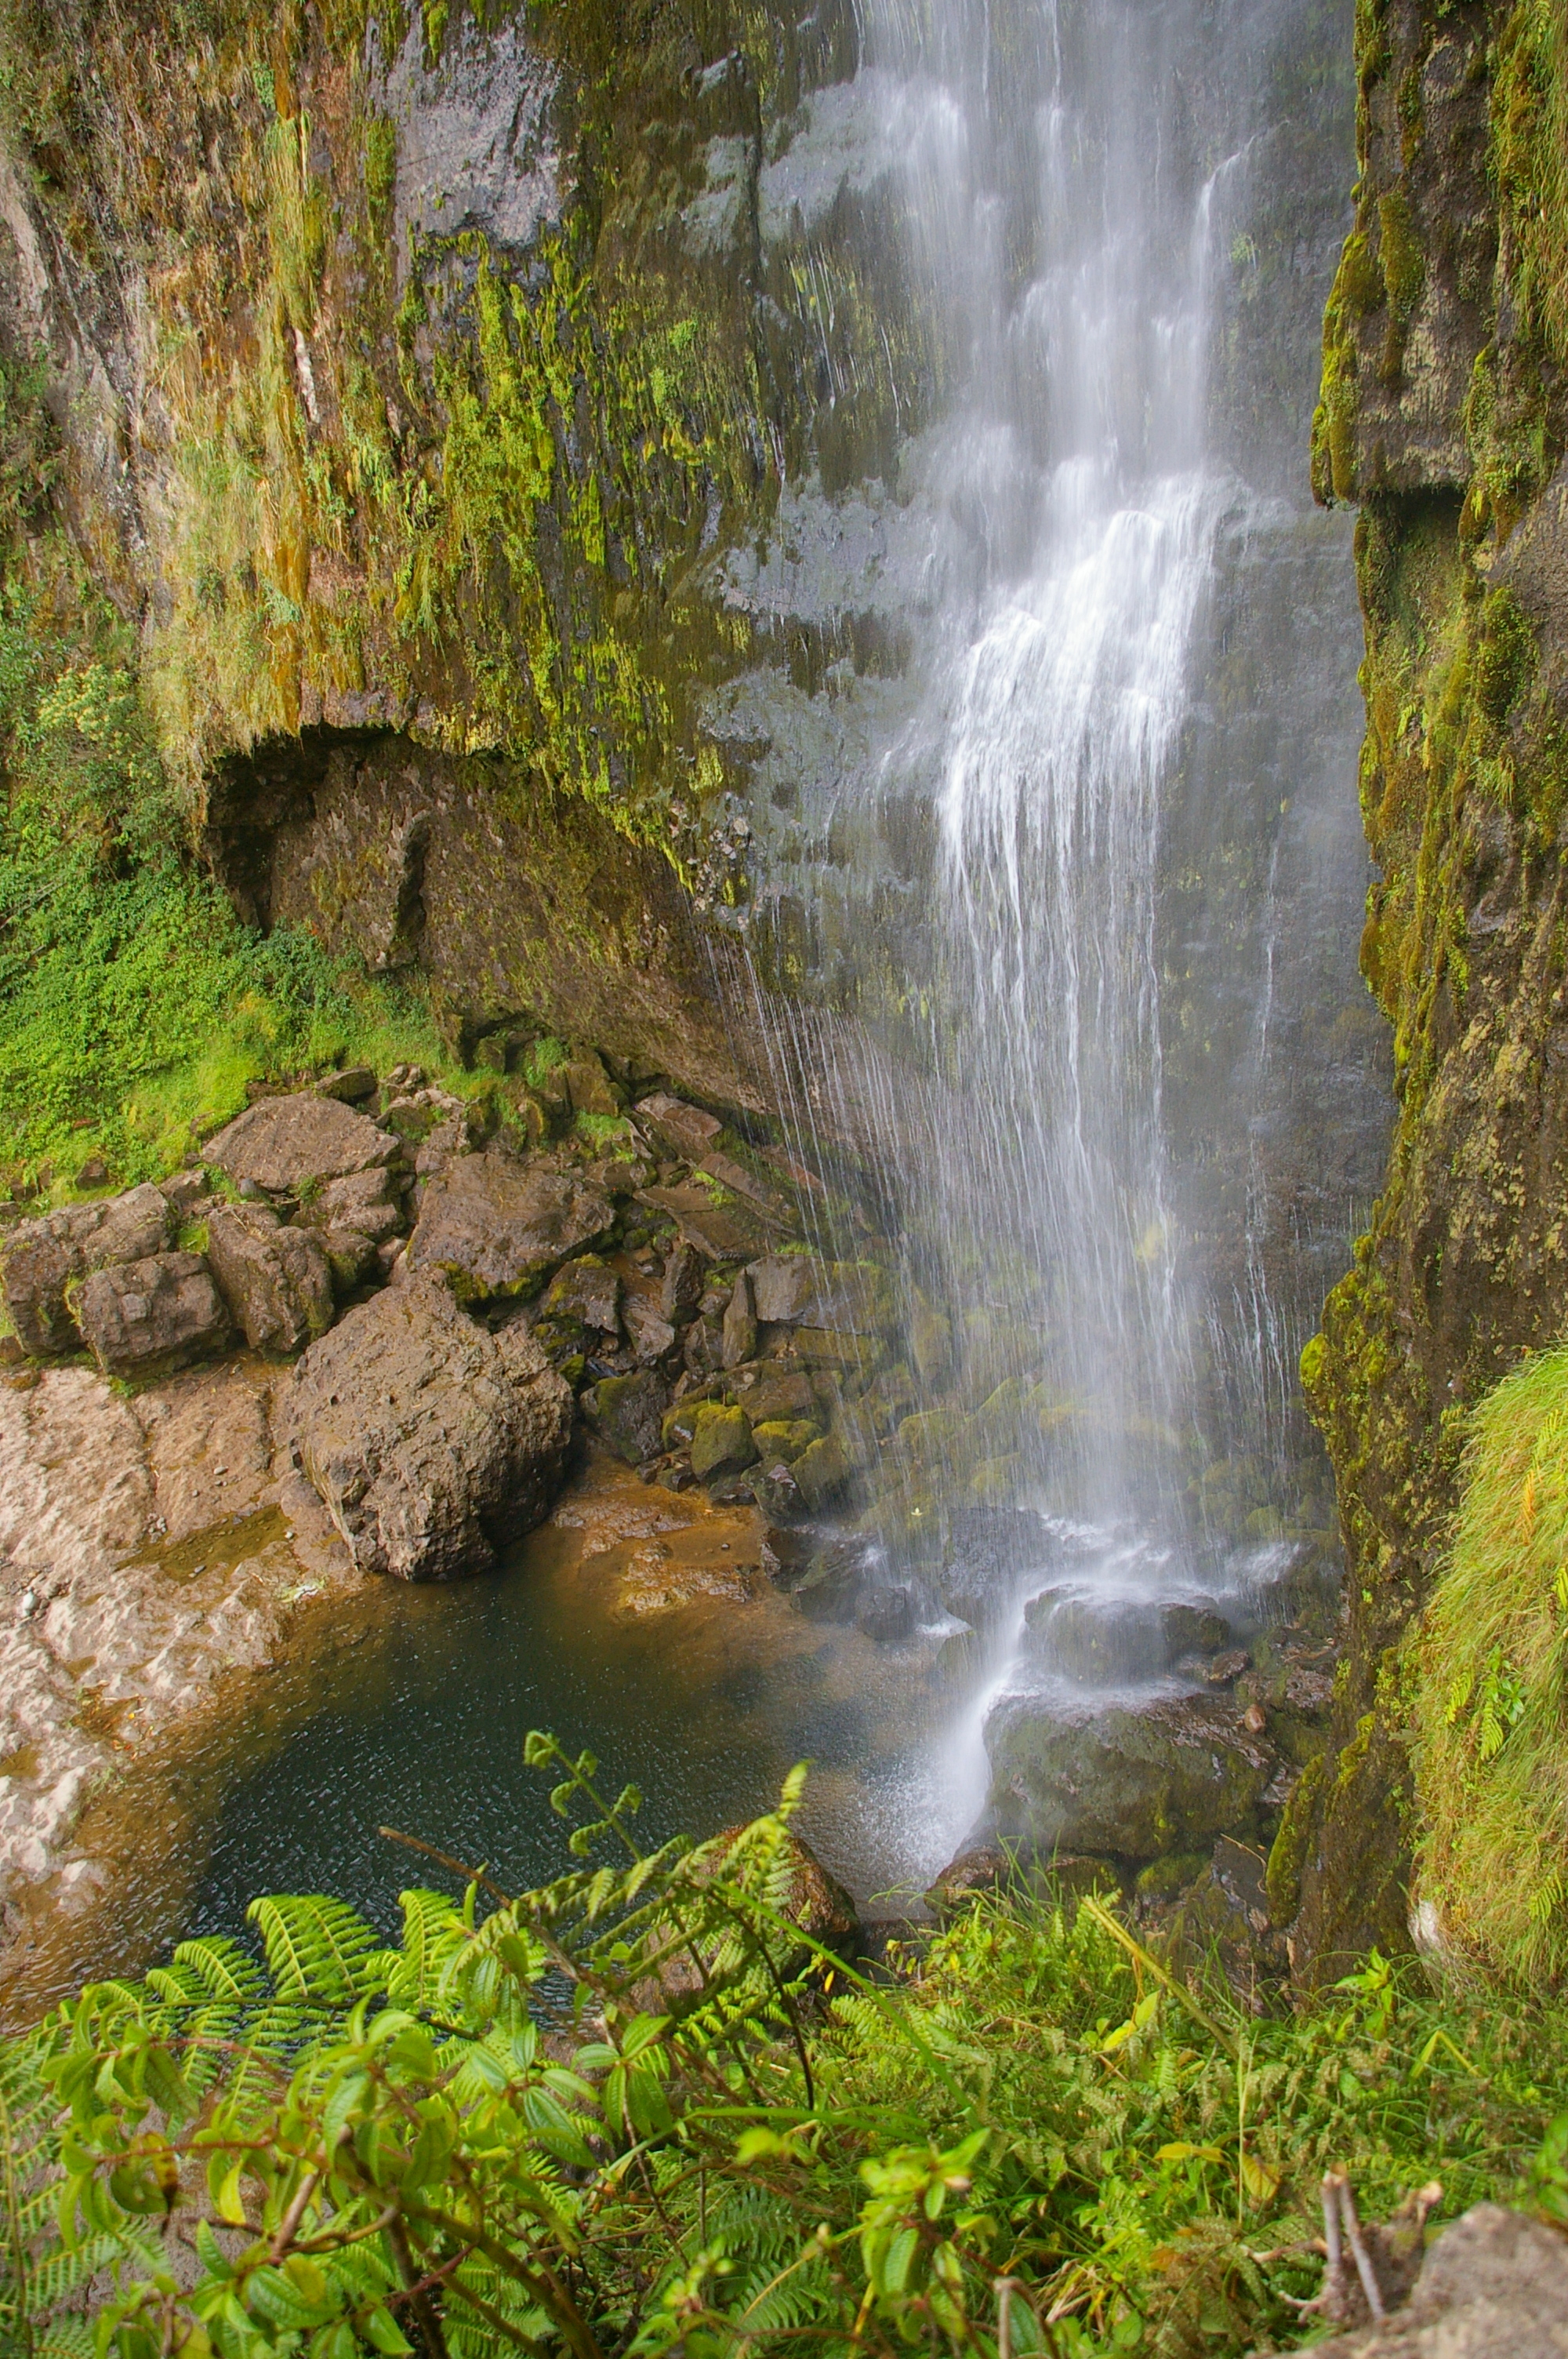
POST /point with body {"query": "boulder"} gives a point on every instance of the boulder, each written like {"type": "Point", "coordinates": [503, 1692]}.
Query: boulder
{"type": "Point", "coordinates": [722, 1442]}
{"type": "Point", "coordinates": [768, 1394]}
{"type": "Point", "coordinates": [40, 1259]}
{"type": "Point", "coordinates": [277, 1282]}
{"type": "Point", "coordinates": [588, 1291]}
{"type": "Point", "coordinates": [369, 1203]}
{"type": "Point", "coordinates": [352, 1084]}
{"type": "Point", "coordinates": [821, 1472]}
{"type": "Point", "coordinates": [497, 1225]}
{"type": "Point", "coordinates": [431, 1443]}
{"type": "Point", "coordinates": [1170, 1774]}
{"type": "Point", "coordinates": [627, 1413]}
{"type": "Point", "coordinates": [685, 1274]}
{"type": "Point", "coordinates": [1496, 2281]}
{"type": "Point", "coordinates": [1194, 1630]}
{"type": "Point", "coordinates": [739, 1329]}
{"type": "Point", "coordinates": [142, 1318]}
{"type": "Point", "coordinates": [280, 1145]}
{"type": "Point", "coordinates": [651, 1337]}
{"type": "Point", "coordinates": [800, 1290]}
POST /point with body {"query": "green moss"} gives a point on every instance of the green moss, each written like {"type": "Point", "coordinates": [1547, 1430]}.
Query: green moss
{"type": "Point", "coordinates": [1492, 1759]}
{"type": "Point", "coordinates": [1507, 658]}
{"type": "Point", "coordinates": [1287, 1851]}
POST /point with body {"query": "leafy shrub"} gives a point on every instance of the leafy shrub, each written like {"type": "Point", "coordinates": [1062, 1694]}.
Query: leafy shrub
{"type": "Point", "coordinates": [640, 2110]}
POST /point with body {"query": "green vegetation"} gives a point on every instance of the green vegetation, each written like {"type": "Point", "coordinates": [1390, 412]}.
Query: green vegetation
{"type": "Point", "coordinates": [134, 1005]}
{"type": "Point", "coordinates": [641, 2111]}
{"type": "Point", "coordinates": [1492, 1762]}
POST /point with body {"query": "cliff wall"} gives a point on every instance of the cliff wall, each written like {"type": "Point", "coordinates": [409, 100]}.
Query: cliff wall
{"type": "Point", "coordinates": [1443, 416]}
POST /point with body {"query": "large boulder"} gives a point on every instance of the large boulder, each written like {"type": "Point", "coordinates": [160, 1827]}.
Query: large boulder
{"type": "Point", "coordinates": [39, 1260]}
{"type": "Point", "coordinates": [143, 1318]}
{"type": "Point", "coordinates": [1137, 1779]}
{"type": "Point", "coordinates": [722, 1442]}
{"type": "Point", "coordinates": [496, 1225]}
{"type": "Point", "coordinates": [431, 1443]}
{"type": "Point", "coordinates": [277, 1282]}
{"type": "Point", "coordinates": [282, 1145]}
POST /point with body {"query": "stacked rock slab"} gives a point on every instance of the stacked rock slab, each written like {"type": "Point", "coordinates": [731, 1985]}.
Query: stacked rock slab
{"type": "Point", "coordinates": [41, 1261]}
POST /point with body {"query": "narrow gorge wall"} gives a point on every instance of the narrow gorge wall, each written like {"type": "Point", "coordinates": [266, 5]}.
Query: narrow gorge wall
{"type": "Point", "coordinates": [1442, 415]}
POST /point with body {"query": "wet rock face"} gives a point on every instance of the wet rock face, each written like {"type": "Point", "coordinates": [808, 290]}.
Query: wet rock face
{"type": "Point", "coordinates": [431, 1443]}
{"type": "Point", "coordinates": [1168, 1775]}
{"type": "Point", "coordinates": [1442, 409]}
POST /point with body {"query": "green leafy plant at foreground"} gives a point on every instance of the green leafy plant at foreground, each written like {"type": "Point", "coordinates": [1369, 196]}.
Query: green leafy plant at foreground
{"type": "Point", "coordinates": [639, 2109]}
{"type": "Point", "coordinates": [1492, 1759]}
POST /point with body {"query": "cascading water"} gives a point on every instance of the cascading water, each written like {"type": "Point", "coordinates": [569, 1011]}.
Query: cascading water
{"type": "Point", "coordinates": [1086, 1077]}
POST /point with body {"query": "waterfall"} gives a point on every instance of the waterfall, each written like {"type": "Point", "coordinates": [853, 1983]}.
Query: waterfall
{"type": "Point", "coordinates": [1099, 856]}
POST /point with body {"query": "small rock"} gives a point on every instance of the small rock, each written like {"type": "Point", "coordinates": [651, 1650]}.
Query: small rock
{"type": "Point", "coordinates": [720, 1441]}
{"type": "Point", "coordinates": [276, 1282]}
{"type": "Point", "coordinates": [680, 1129]}
{"type": "Point", "coordinates": [651, 1337]}
{"type": "Point", "coordinates": [280, 1144]}
{"type": "Point", "coordinates": [1228, 1667]}
{"type": "Point", "coordinates": [352, 1084]}
{"type": "Point", "coordinates": [94, 1173]}
{"type": "Point", "coordinates": [887, 1613]}
{"type": "Point", "coordinates": [683, 1283]}
{"type": "Point", "coordinates": [430, 1443]}
{"type": "Point", "coordinates": [143, 1316]}
{"type": "Point", "coordinates": [587, 1290]}
{"type": "Point", "coordinates": [353, 1260]}
{"type": "Point", "coordinates": [369, 1203]}
{"type": "Point", "coordinates": [627, 1413]}
{"type": "Point", "coordinates": [1255, 1718]}
{"type": "Point", "coordinates": [738, 1333]}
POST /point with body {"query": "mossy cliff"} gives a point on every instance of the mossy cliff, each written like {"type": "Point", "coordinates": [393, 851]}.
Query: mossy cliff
{"type": "Point", "coordinates": [1443, 415]}
{"type": "Point", "coordinates": [414, 372]}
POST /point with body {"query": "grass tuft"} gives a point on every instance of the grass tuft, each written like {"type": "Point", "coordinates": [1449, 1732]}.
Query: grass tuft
{"type": "Point", "coordinates": [1492, 1758]}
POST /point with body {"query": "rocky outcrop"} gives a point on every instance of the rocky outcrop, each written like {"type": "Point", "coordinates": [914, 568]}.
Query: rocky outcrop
{"type": "Point", "coordinates": [430, 1441]}
{"type": "Point", "coordinates": [1443, 412]}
